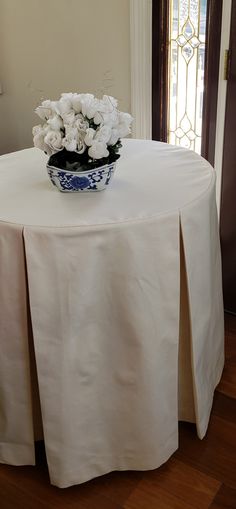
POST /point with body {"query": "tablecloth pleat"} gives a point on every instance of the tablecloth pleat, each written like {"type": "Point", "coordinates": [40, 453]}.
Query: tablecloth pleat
{"type": "Point", "coordinates": [16, 421]}
{"type": "Point", "coordinates": [105, 312]}
{"type": "Point", "coordinates": [200, 233]}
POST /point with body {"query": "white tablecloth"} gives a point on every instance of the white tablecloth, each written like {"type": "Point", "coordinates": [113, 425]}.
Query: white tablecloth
{"type": "Point", "coordinates": [127, 331]}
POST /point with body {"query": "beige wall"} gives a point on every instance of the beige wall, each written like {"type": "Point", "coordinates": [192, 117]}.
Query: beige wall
{"type": "Point", "coordinates": [53, 46]}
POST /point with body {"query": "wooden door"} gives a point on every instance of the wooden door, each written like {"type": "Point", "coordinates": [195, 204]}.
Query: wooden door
{"type": "Point", "coordinates": [228, 191]}
{"type": "Point", "coordinates": [162, 12]}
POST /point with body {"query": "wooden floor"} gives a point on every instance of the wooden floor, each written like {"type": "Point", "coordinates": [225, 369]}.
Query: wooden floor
{"type": "Point", "coordinates": [200, 475]}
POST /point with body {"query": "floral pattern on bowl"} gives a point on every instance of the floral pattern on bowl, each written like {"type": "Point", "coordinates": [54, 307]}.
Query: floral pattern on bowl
{"type": "Point", "coordinates": [94, 180]}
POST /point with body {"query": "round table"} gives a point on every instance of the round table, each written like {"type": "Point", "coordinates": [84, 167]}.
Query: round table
{"type": "Point", "coordinates": [116, 298]}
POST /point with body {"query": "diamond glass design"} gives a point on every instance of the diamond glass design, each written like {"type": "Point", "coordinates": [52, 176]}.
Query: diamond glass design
{"type": "Point", "coordinates": [187, 40]}
{"type": "Point", "coordinates": [179, 132]}
{"type": "Point", "coordinates": [194, 41]}
{"type": "Point", "coordinates": [181, 40]}
{"type": "Point", "coordinates": [188, 30]}
{"type": "Point", "coordinates": [191, 135]}
{"type": "Point", "coordinates": [187, 52]}
{"type": "Point", "coordinates": [185, 124]}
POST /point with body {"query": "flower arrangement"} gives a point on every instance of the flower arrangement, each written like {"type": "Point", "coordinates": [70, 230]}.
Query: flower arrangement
{"type": "Point", "coordinates": [81, 131]}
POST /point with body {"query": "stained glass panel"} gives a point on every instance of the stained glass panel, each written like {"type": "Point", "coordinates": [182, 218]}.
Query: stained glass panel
{"type": "Point", "coordinates": [187, 39]}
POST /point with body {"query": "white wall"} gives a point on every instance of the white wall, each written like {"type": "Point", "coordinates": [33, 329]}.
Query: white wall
{"type": "Point", "coordinates": [53, 46]}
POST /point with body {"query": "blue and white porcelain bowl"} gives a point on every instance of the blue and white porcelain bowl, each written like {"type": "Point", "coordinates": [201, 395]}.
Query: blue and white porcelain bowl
{"type": "Point", "coordinates": [81, 181]}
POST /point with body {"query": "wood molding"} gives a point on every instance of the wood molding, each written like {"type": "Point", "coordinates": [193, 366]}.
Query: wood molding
{"type": "Point", "coordinates": [221, 102]}
{"type": "Point", "coordinates": [141, 51]}
{"type": "Point", "coordinates": [211, 79]}
{"type": "Point", "coordinates": [160, 22]}
{"type": "Point", "coordinates": [228, 188]}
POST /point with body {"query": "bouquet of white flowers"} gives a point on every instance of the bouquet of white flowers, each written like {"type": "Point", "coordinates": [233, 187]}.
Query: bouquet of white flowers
{"type": "Point", "coordinates": [81, 131]}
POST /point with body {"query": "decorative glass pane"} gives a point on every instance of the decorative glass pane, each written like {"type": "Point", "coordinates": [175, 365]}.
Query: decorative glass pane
{"type": "Point", "coordinates": [187, 38]}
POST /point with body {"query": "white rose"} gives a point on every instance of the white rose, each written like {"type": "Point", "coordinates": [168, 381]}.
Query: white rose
{"type": "Point", "coordinates": [39, 133]}
{"type": "Point", "coordinates": [98, 118]}
{"type": "Point", "coordinates": [40, 143]}
{"type": "Point", "coordinates": [53, 107]}
{"type": "Point", "coordinates": [81, 146]}
{"type": "Point", "coordinates": [71, 131]}
{"type": "Point", "coordinates": [81, 123]}
{"type": "Point", "coordinates": [103, 134]}
{"type": "Point", "coordinates": [64, 106]}
{"type": "Point", "coordinates": [90, 105]}
{"type": "Point", "coordinates": [70, 143]}
{"type": "Point", "coordinates": [38, 140]}
{"type": "Point", "coordinates": [37, 129]}
{"type": "Point", "coordinates": [123, 127]}
{"type": "Point", "coordinates": [107, 113]}
{"type": "Point", "coordinates": [125, 118]}
{"type": "Point", "coordinates": [111, 119]}
{"type": "Point", "coordinates": [76, 103]}
{"type": "Point", "coordinates": [55, 123]}
{"type": "Point", "coordinates": [123, 130]}
{"type": "Point", "coordinates": [109, 102]}
{"type": "Point", "coordinates": [114, 136]}
{"type": "Point", "coordinates": [89, 137]}
{"type": "Point", "coordinates": [68, 118]}
{"type": "Point", "coordinates": [98, 150]}
{"type": "Point", "coordinates": [68, 95]}
{"type": "Point", "coordinates": [54, 140]}
{"type": "Point", "coordinates": [45, 110]}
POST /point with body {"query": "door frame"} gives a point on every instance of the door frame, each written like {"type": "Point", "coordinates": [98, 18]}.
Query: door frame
{"type": "Point", "coordinates": [211, 79]}
{"type": "Point", "coordinates": [160, 10]}
{"type": "Point", "coordinates": [221, 104]}
{"type": "Point", "coordinates": [227, 216]}
{"type": "Point", "coordinates": [141, 73]}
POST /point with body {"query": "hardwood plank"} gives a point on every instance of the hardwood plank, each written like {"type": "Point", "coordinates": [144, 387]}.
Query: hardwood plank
{"type": "Point", "coordinates": [230, 322]}
{"type": "Point", "coordinates": [227, 384]}
{"type": "Point", "coordinates": [117, 486]}
{"type": "Point", "coordinates": [225, 498]}
{"type": "Point", "coordinates": [215, 454]}
{"type": "Point", "coordinates": [184, 482]}
{"type": "Point", "coordinates": [12, 496]}
{"type": "Point", "coordinates": [150, 497]}
{"type": "Point", "coordinates": [224, 407]}
{"type": "Point", "coordinates": [34, 488]}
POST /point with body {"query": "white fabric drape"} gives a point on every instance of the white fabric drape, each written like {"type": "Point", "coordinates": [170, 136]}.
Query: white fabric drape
{"type": "Point", "coordinates": [119, 360]}
{"type": "Point", "coordinates": [16, 425]}
{"type": "Point", "coordinates": [203, 268]}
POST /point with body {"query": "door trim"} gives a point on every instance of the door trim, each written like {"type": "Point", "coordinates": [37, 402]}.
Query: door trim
{"type": "Point", "coordinates": [211, 79]}
{"type": "Point", "coordinates": [160, 29]}
{"type": "Point", "coordinates": [221, 104]}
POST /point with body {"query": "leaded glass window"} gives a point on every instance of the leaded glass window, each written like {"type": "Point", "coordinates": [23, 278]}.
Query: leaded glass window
{"type": "Point", "coordinates": [187, 41]}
